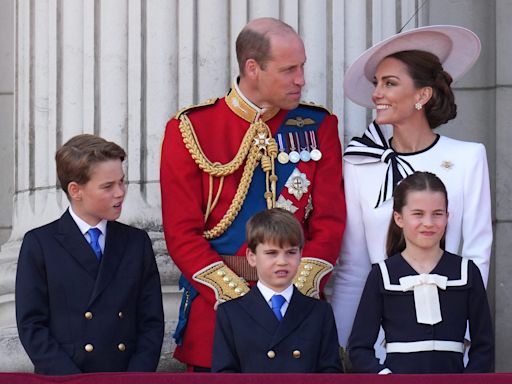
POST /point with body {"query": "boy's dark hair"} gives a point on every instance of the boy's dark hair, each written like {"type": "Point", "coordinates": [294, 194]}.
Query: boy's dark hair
{"type": "Point", "coordinates": [276, 226]}
{"type": "Point", "coordinates": [78, 155]}
{"type": "Point", "coordinates": [417, 182]}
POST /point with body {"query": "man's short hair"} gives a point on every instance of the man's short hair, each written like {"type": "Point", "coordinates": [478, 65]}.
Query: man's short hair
{"type": "Point", "coordinates": [253, 42]}
{"type": "Point", "coordinates": [76, 158]}
{"type": "Point", "coordinates": [276, 226]}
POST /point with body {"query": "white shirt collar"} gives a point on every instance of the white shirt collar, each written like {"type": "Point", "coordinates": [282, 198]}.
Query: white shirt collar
{"type": "Point", "coordinates": [268, 293]}
{"type": "Point", "coordinates": [84, 227]}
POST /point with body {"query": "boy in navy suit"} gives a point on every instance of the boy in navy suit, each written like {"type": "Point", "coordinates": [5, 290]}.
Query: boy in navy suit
{"type": "Point", "coordinates": [88, 294]}
{"type": "Point", "coordinates": [274, 327]}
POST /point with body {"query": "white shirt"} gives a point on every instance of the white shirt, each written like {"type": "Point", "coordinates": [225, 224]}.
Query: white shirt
{"type": "Point", "coordinates": [268, 293]}
{"type": "Point", "coordinates": [462, 166]}
{"type": "Point", "coordinates": [84, 227]}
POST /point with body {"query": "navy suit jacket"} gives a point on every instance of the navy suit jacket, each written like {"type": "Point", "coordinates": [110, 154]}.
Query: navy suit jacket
{"type": "Point", "coordinates": [249, 338]}
{"type": "Point", "coordinates": [76, 314]}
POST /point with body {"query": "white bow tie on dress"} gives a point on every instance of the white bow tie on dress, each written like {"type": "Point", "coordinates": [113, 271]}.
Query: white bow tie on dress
{"type": "Point", "coordinates": [426, 295]}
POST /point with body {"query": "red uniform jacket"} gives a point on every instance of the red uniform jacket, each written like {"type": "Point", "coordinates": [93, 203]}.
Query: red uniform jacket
{"type": "Point", "coordinates": [185, 190]}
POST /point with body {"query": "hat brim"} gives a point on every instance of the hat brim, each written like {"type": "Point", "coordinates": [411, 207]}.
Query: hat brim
{"type": "Point", "coordinates": [456, 47]}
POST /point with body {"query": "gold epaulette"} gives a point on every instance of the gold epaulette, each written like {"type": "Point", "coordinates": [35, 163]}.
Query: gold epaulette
{"type": "Point", "coordinates": [313, 105]}
{"type": "Point", "coordinates": [225, 283]}
{"type": "Point", "coordinates": [195, 106]}
{"type": "Point", "coordinates": [310, 273]}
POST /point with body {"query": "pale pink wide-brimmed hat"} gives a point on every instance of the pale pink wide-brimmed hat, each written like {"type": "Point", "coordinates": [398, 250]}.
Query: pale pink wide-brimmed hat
{"type": "Point", "coordinates": [456, 47]}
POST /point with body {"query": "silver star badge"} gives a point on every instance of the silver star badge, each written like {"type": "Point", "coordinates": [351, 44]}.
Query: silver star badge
{"type": "Point", "coordinates": [297, 184]}
{"type": "Point", "coordinates": [284, 203]}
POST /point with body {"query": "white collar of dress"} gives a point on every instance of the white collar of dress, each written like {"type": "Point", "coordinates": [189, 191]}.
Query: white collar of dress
{"type": "Point", "coordinates": [374, 147]}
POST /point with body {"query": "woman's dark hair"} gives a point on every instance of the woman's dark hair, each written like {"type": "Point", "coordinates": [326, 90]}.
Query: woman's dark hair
{"type": "Point", "coordinates": [417, 182]}
{"type": "Point", "coordinates": [426, 71]}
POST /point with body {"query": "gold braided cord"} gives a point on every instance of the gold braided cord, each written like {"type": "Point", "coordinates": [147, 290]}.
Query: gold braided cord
{"type": "Point", "coordinates": [217, 196]}
{"type": "Point", "coordinates": [212, 203]}
{"type": "Point", "coordinates": [214, 169]}
{"type": "Point", "coordinates": [210, 196]}
{"type": "Point", "coordinates": [272, 150]}
{"type": "Point", "coordinates": [238, 200]}
{"type": "Point", "coordinates": [257, 143]}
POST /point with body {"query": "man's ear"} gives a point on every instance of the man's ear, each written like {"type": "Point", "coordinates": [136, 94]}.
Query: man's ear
{"type": "Point", "coordinates": [74, 191]}
{"type": "Point", "coordinates": [252, 69]}
{"type": "Point", "coordinates": [397, 216]}
{"type": "Point", "coordinates": [251, 257]}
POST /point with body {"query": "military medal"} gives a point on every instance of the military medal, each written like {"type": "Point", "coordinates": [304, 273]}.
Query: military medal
{"type": "Point", "coordinates": [315, 152]}
{"type": "Point", "coordinates": [293, 155]}
{"type": "Point", "coordinates": [308, 146]}
{"type": "Point", "coordinates": [283, 157]}
{"type": "Point", "coordinates": [304, 153]}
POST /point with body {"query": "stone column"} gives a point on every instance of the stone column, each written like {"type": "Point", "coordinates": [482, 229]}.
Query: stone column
{"type": "Point", "coordinates": [120, 69]}
{"type": "Point", "coordinates": [503, 242]}
{"type": "Point", "coordinates": [107, 68]}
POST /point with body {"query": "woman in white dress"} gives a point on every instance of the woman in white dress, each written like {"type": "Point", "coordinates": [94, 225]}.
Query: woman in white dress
{"type": "Point", "coordinates": [407, 79]}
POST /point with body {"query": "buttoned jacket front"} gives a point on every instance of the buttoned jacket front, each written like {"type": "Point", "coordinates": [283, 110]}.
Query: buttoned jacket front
{"type": "Point", "coordinates": [76, 314]}
{"type": "Point", "coordinates": [249, 338]}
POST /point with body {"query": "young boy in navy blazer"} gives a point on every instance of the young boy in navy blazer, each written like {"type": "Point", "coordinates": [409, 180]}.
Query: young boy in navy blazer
{"type": "Point", "coordinates": [88, 294]}
{"type": "Point", "coordinates": [274, 327]}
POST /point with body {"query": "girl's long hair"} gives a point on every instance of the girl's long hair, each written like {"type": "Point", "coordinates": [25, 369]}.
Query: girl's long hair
{"type": "Point", "coordinates": [417, 182]}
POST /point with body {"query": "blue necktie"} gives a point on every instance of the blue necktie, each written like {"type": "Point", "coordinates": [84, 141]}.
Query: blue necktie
{"type": "Point", "coordinates": [277, 303]}
{"type": "Point", "coordinates": [94, 234]}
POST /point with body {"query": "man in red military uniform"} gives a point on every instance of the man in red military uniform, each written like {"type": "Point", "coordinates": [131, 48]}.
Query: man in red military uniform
{"type": "Point", "coordinates": [226, 159]}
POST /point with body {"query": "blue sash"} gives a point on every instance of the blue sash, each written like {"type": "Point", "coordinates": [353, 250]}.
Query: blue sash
{"type": "Point", "coordinates": [234, 237]}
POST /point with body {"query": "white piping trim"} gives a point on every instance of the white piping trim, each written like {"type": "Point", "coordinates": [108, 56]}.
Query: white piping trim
{"type": "Point", "coordinates": [463, 275]}
{"type": "Point", "coordinates": [425, 345]}
{"type": "Point", "coordinates": [450, 283]}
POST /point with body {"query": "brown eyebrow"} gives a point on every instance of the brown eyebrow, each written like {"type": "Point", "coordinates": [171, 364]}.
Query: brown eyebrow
{"type": "Point", "coordinates": [387, 77]}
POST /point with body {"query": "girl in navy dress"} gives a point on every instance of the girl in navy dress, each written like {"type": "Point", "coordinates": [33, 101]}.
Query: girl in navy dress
{"type": "Point", "coordinates": [422, 295]}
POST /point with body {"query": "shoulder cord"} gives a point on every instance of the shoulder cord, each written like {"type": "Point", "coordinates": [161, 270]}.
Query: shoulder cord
{"type": "Point", "coordinates": [265, 149]}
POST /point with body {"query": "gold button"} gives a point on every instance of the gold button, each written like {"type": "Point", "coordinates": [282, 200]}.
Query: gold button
{"type": "Point", "coordinates": [220, 272]}
{"type": "Point", "coordinates": [232, 285]}
{"type": "Point", "coordinates": [271, 354]}
{"type": "Point", "coordinates": [296, 354]}
{"type": "Point", "coordinates": [308, 267]}
{"type": "Point", "coordinates": [121, 347]}
{"type": "Point", "coordinates": [88, 315]}
{"type": "Point", "coordinates": [88, 348]}
{"type": "Point", "coordinates": [227, 279]}
{"type": "Point", "coordinates": [120, 314]}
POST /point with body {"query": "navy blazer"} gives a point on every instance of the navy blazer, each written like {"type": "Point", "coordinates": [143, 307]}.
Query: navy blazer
{"type": "Point", "coordinates": [249, 338]}
{"type": "Point", "coordinates": [76, 314]}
